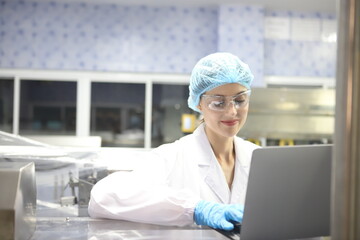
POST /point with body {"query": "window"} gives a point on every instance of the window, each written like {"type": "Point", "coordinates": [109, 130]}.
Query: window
{"type": "Point", "coordinates": [6, 104]}
{"type": "Point", "coordinates": [47, 107]}
{"type": "Point", "coordinates": [117, 113]}
{"type": "Point", "coordinates": [169, 104]}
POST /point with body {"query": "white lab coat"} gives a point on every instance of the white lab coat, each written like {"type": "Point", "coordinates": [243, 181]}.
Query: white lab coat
{"type": "Point", "coordinates": [174, 178]}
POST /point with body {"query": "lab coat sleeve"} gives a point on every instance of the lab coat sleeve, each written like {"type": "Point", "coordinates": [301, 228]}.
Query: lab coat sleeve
{"type": "Point", "coordinates": [143, 196]}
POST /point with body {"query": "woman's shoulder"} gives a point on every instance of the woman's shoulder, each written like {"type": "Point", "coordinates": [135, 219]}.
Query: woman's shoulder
{"type": "Point", "coordinates": [245, 143]}
{"type": "Point", "coordinates": [193, 143]}
{"type": "Point", "coordinates": [244, 150]}
{"type": "Point", "coordinates": [175, 146]}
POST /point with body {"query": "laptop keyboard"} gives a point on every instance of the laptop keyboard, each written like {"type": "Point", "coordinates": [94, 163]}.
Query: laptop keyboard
{"type": "Point", "coordinates": [233, 234]}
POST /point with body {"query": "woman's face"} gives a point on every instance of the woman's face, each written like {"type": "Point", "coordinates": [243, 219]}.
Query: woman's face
{"type": "Point", "coordinates": [221, 115]}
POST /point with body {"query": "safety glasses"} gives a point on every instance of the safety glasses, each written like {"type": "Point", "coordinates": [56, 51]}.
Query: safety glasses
{"type": "Point", "coordinates": [220, 103]}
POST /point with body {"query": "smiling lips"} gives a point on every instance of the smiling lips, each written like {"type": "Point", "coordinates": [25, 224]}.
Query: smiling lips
{"type": "Point", "coordinates": [230, 123]}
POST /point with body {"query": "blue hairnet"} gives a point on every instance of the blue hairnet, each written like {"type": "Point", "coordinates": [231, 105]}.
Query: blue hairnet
{"type": "Point", "coordinates": [215, 70]}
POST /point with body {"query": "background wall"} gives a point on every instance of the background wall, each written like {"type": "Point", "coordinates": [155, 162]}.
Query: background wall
{"type": "Point", "coordinates": [241, 31]}
{"type": "Point", "coordinates": [159, 39]}
{"type": "Point", "coordinates": [305, 47]}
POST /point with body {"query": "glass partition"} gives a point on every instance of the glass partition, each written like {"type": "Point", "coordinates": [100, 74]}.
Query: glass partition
{"type": "Point", "coordinates": [6, 104]}
{"type": "Point", "coordinates": [118, 113]}
{"type": "Point", "coordinates": [47, 107]}
{"type": "Point", "coordinates": [169, 107]}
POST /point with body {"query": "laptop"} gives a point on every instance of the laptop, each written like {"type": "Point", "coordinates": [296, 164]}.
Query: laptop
{"type": "Point", "coordinates": [288, 194]}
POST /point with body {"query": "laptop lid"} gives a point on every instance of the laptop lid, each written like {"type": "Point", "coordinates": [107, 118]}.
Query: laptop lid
{"type": "Point", "coordinates": [288, 193]}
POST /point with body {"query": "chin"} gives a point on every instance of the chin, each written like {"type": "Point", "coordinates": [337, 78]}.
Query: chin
{"type": "Point", "coordinates": [231, 132]}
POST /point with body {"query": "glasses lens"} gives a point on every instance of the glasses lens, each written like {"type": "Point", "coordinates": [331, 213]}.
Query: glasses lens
{"type": "Point", "coordinates": [241, 100]}
{"type": "Point", "coordinates": [216, 104]}
{"type": "Point", "coordinates": [220, 103]}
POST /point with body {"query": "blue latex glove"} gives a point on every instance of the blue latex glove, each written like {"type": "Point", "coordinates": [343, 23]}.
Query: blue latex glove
{"type": "Point", "coordinates": [217, 215]}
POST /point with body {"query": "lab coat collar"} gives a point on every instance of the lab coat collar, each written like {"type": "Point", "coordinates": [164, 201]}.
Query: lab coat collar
{"type": "Point", "coordinates": [209, 168]}
{"type": "Point", "coordinates": [215, 179]}
{"type": "Point", "coordinates": [205, 148]}
{"type": "Point", "coordinates": [241, 154]}
{"type": "Point", "coordinates": [242, 166]}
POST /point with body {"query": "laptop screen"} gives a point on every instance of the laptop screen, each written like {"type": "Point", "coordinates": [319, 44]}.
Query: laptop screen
{"type": "Point", "coordinates": [288, 194]}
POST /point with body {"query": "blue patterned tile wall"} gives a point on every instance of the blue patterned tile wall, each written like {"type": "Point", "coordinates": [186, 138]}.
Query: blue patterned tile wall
{"type": "Point", "coordinates": [308, 59]}
{"type": "Point", "coordinates": [241, 31]}
{"type": "Point", "coordinates": [106, 37]}
{"type": "Point", "coordinates": [300, 58]}
{"type": "Point", "coordinates": [168, 39]}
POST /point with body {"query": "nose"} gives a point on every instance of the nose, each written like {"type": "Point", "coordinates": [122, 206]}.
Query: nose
{"type": "Point", "coordinates": [231, 109]}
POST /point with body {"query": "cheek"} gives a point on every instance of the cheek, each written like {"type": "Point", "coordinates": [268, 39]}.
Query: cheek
{"type": "Point", "coordinates": [209, 117]}
{"type": "Point", "coordinates": [243, 113]}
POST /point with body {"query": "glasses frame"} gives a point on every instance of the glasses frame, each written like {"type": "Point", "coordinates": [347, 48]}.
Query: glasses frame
{"type": "Point", "coordinates": [232, 100]}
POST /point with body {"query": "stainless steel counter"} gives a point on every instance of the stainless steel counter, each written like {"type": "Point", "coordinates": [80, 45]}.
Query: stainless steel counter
{"type": "Point", "coordinates": [81, 228]}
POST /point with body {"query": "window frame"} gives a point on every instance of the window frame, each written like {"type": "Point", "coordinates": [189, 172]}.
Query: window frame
{"type": "Point", "coordinates": [83, 96]}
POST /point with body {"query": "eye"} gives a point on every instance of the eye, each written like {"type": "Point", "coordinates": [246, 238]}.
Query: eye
{"type": "Point", "coordinates": [240, 99]}
{"type": "Point", "coordinates": [217, 104]}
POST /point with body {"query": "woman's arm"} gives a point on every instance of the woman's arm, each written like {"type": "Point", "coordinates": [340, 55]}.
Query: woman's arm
{"type": "Point", "coordinates": [143, 195]}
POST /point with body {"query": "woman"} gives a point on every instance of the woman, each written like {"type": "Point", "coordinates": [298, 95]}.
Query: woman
{"type": "Point", "coordinates": [201, 177]}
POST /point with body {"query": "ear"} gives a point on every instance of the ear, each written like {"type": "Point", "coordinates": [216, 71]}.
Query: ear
{"type": "Point", "coordinates": [199, 107]}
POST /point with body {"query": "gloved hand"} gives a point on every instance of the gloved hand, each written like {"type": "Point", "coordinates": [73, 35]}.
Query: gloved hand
{"type": "Point", "coordinates": [217, 215]}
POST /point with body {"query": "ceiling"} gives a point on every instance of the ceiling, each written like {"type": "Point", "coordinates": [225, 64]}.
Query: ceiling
{"type": "Point", "coordinates": [325, 6]}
